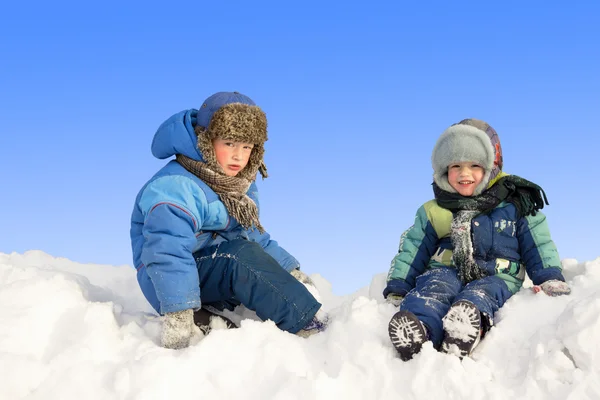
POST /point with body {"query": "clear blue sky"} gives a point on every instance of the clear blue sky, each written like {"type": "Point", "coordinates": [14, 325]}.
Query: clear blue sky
{"type": "Point", "coordinates": [356, 95]}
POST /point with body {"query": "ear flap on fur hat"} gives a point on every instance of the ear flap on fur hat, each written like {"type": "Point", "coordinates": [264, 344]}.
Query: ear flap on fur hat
{"type": "Point", "coordinates": [468, 140]}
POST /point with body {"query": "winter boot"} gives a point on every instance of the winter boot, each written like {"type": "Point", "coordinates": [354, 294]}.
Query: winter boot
{"type": "Point", "coordinates": [208, 319]}
{"type": "Point", "coordinates": [462, 329]}
{"type": "Point", "coordinates": [317, 324]}
{"type": "Point", "coordinates": [407, 334]}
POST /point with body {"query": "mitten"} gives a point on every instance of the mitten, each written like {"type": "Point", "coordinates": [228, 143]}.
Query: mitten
{"type": "Point", "coordinates": [395, 299]}
{"type": "Point", "coordinates": [553, 287]}
{"type": "Point", "coordinates": [307, 282]}
{"type": "Point", "coordinates": [302, 277]}
{"type": "Point", "coordinates": [177, 329]}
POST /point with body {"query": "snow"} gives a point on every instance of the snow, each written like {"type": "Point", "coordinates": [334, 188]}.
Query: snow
{"type": "Point", "coordinates": [84, 331]}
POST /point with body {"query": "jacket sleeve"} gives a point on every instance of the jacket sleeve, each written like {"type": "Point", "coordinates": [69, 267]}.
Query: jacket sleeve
{"type": "Point", "coordinates": [538, 251]}
{"type": "Point", "coordinates": [417, 245]}
{"type": "Point", "coordinates": [173, 209]}
{"type": "Point", "coordinates": [285, 259]}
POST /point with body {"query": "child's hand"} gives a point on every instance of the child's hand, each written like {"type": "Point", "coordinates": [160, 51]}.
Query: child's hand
{"type": "Point", "coordinates": [553, 288]}
{"type": "Point", "coordinates": [302, 277]}
{"type": "Point", "coordinates": [307, 282]}
{"type": "Point", "coordinates": [395, 299]}
{"type": "Point", "coordinates": [177, 330]}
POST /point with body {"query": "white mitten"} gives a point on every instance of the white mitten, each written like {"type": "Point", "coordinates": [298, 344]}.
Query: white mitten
{"type": "Point", "coordinates": [177, 329]}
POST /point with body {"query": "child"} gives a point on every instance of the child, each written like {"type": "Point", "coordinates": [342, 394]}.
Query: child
{"type": "Point", "coordinates": [469, 249]}
{"type": "Point", "coordinates": [196, 236]}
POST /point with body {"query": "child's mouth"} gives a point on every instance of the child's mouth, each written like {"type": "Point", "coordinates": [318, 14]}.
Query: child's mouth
{"type": "Point", "coordinates": [466, 182]}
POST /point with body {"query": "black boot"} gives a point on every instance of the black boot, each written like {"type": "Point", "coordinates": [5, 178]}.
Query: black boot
{"type": "Point", "coordinates": [462, 329]}
{"type": "Point", "coordinates": [407, 334]}
{"type": "Point", "coordinates": [206, 319]}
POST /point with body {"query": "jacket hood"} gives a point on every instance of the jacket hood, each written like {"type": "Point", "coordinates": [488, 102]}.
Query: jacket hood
{"type": "Point", "coordinates": [176, 136]}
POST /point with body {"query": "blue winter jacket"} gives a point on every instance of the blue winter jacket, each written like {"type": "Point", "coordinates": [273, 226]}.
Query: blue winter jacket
{"type": "Point", "coordinates": [176, 214]}
{"type": "Point", "coordinates": [503, 245]}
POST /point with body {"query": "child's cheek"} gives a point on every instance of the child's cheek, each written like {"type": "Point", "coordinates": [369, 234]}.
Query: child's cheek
{"type": "Point", "coordinates": [452, 175]}
{"type": "Point", "coordinates": [221, 155]}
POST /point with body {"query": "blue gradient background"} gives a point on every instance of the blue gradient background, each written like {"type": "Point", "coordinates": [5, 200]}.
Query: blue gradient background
{"type": "Point", "coordinates": [356, 95]}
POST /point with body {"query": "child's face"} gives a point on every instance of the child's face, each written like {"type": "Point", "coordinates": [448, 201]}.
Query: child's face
{"type": "Point", "coordinates": [464, 177]}
{"type": "Point", "coordinates": [232, 156]}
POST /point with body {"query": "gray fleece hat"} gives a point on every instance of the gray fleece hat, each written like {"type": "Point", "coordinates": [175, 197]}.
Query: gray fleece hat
{"type": "Point", "coordinates": [468, 140]}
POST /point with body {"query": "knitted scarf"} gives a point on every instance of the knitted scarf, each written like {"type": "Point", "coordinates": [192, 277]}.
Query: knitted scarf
{"type": "Point", "coordinates": [527, 197]}
{"type": "Point", "coordinates": [230, 189]}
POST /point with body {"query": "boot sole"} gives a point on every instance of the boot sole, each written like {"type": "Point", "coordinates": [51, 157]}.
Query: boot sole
{"type": "Point", "coordinates": [205, 320]}
{"type": "Point", "coordinates": [462, 329]}
{"type": "Point", "coordinates": [407, 334]}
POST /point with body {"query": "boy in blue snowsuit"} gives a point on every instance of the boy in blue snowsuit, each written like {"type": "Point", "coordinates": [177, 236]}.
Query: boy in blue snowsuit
{"type": "Point", "coordinates": [196, 236]}
{"type": "Point", "coordinates": [469, 249]}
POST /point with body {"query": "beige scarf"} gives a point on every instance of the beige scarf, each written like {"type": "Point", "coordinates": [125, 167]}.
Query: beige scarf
{"type": "Point", "coordinates": [231, 190]}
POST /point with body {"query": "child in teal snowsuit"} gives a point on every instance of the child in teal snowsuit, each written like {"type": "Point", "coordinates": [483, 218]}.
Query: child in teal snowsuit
{"type": "Point", "coordinates": [469, 248]}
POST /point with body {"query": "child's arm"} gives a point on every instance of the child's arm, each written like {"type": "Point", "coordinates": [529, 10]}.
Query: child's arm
{"type": "Point", "coordinates": [417, 245]}
{"type": "Point", "coordinates": [173, 213]}
{"type": "Point", "coordinates": [173, 209]}
{"type": "Point", "coordinates": [538, 251]}
{"type": "Point", "coordinates": [285, 259]}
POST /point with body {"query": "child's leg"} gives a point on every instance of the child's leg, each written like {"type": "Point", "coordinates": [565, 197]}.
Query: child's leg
{"type": "Point", "coordinates": [487, 294]}
{"type": "Point", "coordinates": [242, 270]}
{"type": "Point", "coordinates": [431, 298]}
{"type": "Point", "coordinates": [471, 314]}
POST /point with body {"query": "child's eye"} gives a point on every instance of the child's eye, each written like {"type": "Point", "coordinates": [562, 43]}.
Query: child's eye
{"type": "Point", "coordinates": [476, 166]}
{"type": "Point", "coordinates": [248, 147]}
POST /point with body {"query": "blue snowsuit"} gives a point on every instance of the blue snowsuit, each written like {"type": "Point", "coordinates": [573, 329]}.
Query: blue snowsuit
{"type": "Point", "coordinates": [505, 247]}
{"type": "Point", "coordinates": [189, 251]}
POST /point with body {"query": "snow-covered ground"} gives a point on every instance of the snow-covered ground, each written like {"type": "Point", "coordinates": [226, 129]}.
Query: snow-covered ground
{"type": "Point", "coordinates": [84, 331]}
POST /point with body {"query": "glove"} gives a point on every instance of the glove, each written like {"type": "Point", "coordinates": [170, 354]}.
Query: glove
{"type": "Point", "coordinates": [307, 282]}
{"type": "Point", "coordinates": [177, 329]}
{"type": "Point", "coordinates": [395, 299]}
{"type": "Point", "coordinates": [553, 288]}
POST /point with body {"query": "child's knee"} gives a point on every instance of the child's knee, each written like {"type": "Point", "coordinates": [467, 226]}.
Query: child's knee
{"type": "Point", "coordinates": [236, 247]}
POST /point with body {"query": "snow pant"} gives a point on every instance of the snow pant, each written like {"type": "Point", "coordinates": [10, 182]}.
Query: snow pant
{"type": "Point", "coordinates": [438, 288]}
{"type": "Point", "coordinates": [240, 271]}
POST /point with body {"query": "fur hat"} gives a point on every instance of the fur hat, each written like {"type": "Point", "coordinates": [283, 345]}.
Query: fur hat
{"type": "Point", "coordinates": [468, 140]}
{"type": "Point", "coordinates": [233, 116]}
